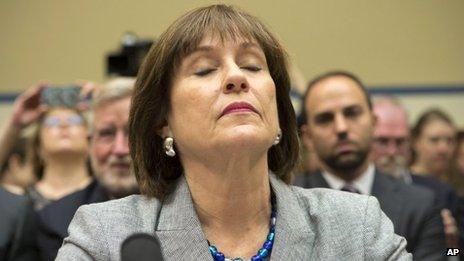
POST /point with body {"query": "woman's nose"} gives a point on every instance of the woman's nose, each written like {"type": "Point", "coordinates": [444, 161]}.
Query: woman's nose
{"type": "Point", "coordinates": [235, 80]}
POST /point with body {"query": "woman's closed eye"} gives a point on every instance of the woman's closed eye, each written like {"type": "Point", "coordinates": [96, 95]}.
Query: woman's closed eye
{"type": "Point", "coordinates": [253, 68]}
{"type": "Point", "coordinates": [204, 72]}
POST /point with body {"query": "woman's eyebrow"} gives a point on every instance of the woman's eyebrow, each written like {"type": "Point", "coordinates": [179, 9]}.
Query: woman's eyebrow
{"type": "Point", "coordinates": [249, 45]}
{"type": "Point", "coordinates": [201, 49]}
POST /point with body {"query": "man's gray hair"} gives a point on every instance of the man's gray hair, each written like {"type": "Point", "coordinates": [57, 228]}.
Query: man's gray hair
{"type": "Point", "coordinates": [114, 89]}
{"type": "Point", "coordinates": [389, 99]}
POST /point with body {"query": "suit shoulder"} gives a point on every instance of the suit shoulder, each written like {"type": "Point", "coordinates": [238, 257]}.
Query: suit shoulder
{"type": "Point", "coordinates": [416, 193]}
{"type": "Point", "coordinates": [131, 210]}
{"type": "Point", "coordinates": [324, 201]}
{"type": "Point", "coordinates": [92, 231]}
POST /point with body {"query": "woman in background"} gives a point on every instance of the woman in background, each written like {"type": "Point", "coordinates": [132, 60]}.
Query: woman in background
{"type": "Point", "coordinates": [433, 144]}
{"type": "Point", "coordinates": [60, 155]}
{"type": "Point", "coordinates": [458, 165]}
{"type": "Point", "coordinates": [60, 162]}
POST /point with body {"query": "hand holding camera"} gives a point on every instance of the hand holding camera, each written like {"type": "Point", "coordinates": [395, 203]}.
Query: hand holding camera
{"type": "Point", "coordinates": [37, 99]}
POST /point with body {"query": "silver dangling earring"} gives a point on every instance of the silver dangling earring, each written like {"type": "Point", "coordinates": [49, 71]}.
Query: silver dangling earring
{"type": "Point", "coordinates": [279, 136]}
{"type": "Point", "coordinates": [169, 147]}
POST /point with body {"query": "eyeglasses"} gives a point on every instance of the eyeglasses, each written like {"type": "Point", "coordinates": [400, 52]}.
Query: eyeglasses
{"type": "Point", "coordinates": [52, 121]}
{"type": "Point", "coordinates": [385, 142]}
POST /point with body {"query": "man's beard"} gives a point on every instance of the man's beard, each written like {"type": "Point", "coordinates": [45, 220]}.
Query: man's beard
{"type": "Point", "coordinates": [393, 165]}
{"type": "Point", "coordinates": [117, 184]}
{"type": "Point", "coordinates": [346, 164]}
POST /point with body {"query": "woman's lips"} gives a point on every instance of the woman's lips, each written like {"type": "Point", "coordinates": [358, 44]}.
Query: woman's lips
{"type": "Point", "coordinates": [238, 107]}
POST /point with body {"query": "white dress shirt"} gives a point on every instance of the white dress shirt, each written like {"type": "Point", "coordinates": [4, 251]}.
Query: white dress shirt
{"type": "Point", "coordinates": [363, 183]}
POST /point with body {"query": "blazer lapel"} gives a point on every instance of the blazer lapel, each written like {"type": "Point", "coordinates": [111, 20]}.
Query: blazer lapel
{"type": "Point", "coordinates": [182, 238]}
{"type": "Point", "coordinates": [318, 181]}
{"type": "Point", "coordinates": [179, 229]}
{"type": "Point", "coordinates": [385, 190]}
{"type": "Point", "coordinates": [294, 238]}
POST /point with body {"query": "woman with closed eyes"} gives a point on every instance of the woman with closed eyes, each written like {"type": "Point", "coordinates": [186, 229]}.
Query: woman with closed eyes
{"type": "Point", "coordinates": [213, 140]}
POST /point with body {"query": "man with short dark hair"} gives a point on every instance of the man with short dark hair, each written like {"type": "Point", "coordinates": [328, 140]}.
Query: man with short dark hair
{"type": "Point", "coordinates": [339, 124]}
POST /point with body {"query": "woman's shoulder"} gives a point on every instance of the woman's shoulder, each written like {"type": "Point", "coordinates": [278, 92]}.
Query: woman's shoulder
{"type": "Point", "coordinates": [356, 221]}
{"type": "Point", "coordinates": [323, 201]}
{"type": "Point", "coordinates": [101, 227]}
{"type": "Point", "coordinates": [130, 207]}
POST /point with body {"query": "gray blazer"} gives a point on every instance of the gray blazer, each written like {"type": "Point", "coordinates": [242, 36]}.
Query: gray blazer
{"type": "Point", "coordinates": [410, 208]}
{"type": "Point", "coordinates": [312, 224]}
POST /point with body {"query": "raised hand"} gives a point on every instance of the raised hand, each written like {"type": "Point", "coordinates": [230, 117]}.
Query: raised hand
{"type": "Point", "coordinates": [451, 228]}
{"type": "Point", "coordinates": [27, 107]}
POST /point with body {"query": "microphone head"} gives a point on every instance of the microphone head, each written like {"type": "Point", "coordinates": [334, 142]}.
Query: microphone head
{"type": "Point", "coordinates": [141, 247]}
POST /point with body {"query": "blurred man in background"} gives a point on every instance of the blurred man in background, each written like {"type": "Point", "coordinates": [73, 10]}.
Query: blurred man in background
{"type": "Point", "coordinates": [109, 149]}
{"type": "Point", "coordinates": [339, 125]}
{"type": "Point", "coordinates": [391, 154]}
{"type": "Point", "coordinates": [391, 150]}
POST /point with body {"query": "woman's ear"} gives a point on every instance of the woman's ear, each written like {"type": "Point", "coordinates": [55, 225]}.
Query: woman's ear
{"type": "Point", "coordinates": [165, 132]}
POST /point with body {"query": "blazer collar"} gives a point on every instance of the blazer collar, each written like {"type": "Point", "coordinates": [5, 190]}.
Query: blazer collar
{"type": "Point", "coordinates": [181, 236]}
{"type": "Point", "coordinates": [383, 185]}
{"type": "Point", "coordinates": [387, 191]}
{"type": "Point", "coordinates": [179, 228]}
{"type": "Point", "coordinates": [318, 180]}
{"type": "Point", "coordinates": [294, 230]}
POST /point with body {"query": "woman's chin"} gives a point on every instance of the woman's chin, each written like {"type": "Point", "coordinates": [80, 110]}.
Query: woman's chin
{"type": "Point", "coordinates": [67, 150]}
{"type": "Point", "coordinates": [251, 139]}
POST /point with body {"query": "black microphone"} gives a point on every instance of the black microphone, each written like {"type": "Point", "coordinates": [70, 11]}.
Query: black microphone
{"type": "Point", "coordinates": [141, 247]}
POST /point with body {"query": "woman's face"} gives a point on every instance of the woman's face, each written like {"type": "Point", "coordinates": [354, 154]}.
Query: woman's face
{"type": "Point", "coordinates": [435, 146]}
{"type": "Point", "coordinates": [63, 130]}
{"type": "Point", "coordinates": [223, 96]}
{"type": "Point", "coordinates": [460, 158]}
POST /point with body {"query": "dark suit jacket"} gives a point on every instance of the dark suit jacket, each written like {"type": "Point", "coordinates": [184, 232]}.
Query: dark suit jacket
{"type": "Point", "coordinates": [11, 208]}
{"type": "Point", "coordinates": [42, 232]}
{"type": "Point", "coordinates": [445, 195]}
{"type": "Point", "coordinates": [411, 209]}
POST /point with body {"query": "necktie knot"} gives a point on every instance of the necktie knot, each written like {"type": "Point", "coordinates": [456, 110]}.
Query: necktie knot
{"type": "Point", "coordinates": [350, 188]}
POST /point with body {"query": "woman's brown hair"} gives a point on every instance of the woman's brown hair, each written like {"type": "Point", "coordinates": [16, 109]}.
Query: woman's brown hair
{"type": "Point", "coordinates": [426, 118]}
{"type": "Point", "coordinates": [155, 171]}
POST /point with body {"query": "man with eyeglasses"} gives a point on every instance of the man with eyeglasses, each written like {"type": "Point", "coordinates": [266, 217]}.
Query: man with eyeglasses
{"type": "Point", "coordinates": [109, 147]}
{"type": "Point", "coordinates": [391, 151]}
{"type": "Point", "coordinates": [391, 154]}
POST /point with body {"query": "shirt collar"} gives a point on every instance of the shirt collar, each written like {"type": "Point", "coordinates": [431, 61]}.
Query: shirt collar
{"type": "Point", "coordinates": [363, 183]}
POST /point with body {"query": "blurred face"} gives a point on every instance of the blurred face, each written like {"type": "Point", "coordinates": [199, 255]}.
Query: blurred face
{"type": "Point", "coordinates": [340, 124]}
{"type": "Point", "coordinates": [391, 139]}
{"type": "Point", "coordinates": [460, 158]}
{"type": "Point", "coordinates": [110, 148]}
{"type": "Point", "coordinates": [223, 97]}
{"type": "Point", "coordinates": [63, 131]}
{"type": "Point", "coordinates": [435, 147]}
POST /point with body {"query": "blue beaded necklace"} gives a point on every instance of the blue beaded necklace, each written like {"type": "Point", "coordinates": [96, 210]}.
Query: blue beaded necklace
{"type": "Point", "coordinates": [264, 252]}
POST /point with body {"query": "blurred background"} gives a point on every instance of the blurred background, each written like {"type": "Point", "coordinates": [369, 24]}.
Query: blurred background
{"type": "Point", "coordinates": [413, 49]}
